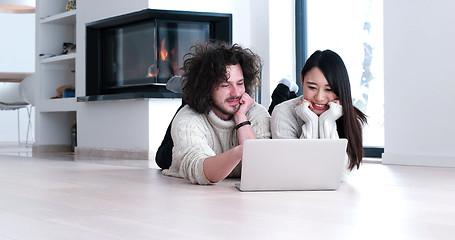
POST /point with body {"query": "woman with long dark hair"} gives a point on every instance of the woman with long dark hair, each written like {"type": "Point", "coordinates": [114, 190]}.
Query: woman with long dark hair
{"type": "Point", "coordinates": [325, 110]}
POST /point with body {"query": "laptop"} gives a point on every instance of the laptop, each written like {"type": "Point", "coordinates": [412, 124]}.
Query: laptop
{"type": "Point", "coordinates": [292, 164]}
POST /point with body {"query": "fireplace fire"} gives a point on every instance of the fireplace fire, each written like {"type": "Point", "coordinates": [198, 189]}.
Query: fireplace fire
{"type": "Point", "coordinates": [166, 65]}
{"type": "Point", "coordinates": [135, 54]}
{"type": "Point", "coordinates": [168, 68]}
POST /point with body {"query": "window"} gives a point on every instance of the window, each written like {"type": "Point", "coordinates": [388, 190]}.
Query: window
{"type": "Point", "coordinates": [353, 29]}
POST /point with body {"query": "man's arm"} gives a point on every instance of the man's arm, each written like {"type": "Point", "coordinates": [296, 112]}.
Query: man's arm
{"type": "Point", "coordinates": [217, 168]}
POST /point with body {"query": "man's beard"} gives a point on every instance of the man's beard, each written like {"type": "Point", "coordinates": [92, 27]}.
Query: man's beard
{"type": "Point", "coordinates": [223, 111]}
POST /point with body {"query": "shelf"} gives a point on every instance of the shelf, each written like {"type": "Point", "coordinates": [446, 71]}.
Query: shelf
{"type": "Point", "coordinates": [54, 27]}
{"type": "Point", "coordinates": [59, 58]}
{"type": "Point", "coordinates": [61, 18]}
{"type": "Point", "coordinates": [58, 105]}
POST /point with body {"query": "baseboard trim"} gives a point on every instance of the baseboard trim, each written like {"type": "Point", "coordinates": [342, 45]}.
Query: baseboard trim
{"type": "Point", "coordinates": [113, 153]}
{"type": "Point", "coordinates": [418, 160]}
{"type": "Point", "coordinates": [50, 148]}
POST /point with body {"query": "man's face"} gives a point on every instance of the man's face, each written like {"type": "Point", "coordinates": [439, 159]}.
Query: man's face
{"type": "Point", "coordinates": [226, 96]}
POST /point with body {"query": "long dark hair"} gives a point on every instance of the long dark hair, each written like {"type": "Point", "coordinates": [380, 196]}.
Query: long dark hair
{"type": "Point", "coordinates": [349, 126]}
{"type": "Point", "coordinates": [205, 67]}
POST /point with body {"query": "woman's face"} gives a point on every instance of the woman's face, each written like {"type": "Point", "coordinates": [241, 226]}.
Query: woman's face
{"type": "Point", "coordinates": [317, 91]}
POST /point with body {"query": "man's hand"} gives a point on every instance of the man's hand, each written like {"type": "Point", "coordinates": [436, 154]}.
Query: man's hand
{"type": "Point", "coordinates": [246, 101]}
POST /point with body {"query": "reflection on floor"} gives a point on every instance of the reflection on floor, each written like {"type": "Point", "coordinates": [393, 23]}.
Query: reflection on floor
{"type": "Point", "coordinates": [25, 150]}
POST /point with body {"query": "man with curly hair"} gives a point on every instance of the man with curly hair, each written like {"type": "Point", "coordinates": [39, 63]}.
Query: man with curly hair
{"type": "Point", "coordinates": [208, 132]}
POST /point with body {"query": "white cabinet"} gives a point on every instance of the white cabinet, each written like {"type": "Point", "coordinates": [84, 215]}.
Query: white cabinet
{"type": "Point", "coordinates": [54, 116]}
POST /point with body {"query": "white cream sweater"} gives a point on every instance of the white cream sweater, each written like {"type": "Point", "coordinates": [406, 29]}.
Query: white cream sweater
{"type": "Point", "coordinates": [292, 121]}
{"type": "Point", "coordinates": [199, 136]}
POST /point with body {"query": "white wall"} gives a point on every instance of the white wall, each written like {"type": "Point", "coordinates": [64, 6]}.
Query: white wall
{"type": "Point", "coordinates": [17, 44]}
{"type": "Point", "coordinates": [17, 54]}
{"type": "Point", "coordinates": [273, 38]}
{"type": "Point", "coordinates": [108, 124]}
{"type": "Point", "coordinates": [282, 44]}
{"type": "Point", "coordinates": [240, 13]}
{"type": "Point", "coordinates": [419, 82]}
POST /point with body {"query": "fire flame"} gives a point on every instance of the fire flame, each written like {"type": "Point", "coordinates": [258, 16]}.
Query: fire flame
{"type": "Point", "coordinates": [163, 51]}
{"type": "Point", "coordinates": [153, 71]}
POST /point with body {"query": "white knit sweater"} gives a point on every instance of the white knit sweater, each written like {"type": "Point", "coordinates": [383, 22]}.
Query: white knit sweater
{"type": "Point", "coordinates": [292, 121]}
{"type": "Point", "coordinates": [199, 136]}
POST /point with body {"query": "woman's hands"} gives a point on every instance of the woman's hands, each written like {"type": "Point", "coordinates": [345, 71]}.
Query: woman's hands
{"type": "Point", "coordinates": [327, 121]}
{"type": "Point", "coordinates": [310, 128]}
{"type": "Point", "coordinates": [323, 126]}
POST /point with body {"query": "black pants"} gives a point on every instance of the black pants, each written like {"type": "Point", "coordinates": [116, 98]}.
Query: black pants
{"type": "Point", "coordinates": [163, 157]}
{"type": "Point", "coordinates": [279, 95]}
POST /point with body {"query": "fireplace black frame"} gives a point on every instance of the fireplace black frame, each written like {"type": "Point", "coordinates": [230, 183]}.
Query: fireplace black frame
{"type": "Point", "coordinates": [220, 28]}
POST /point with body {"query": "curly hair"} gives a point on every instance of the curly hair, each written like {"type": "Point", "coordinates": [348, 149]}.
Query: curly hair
{"type": "Point", "coordinates": [205, 68]}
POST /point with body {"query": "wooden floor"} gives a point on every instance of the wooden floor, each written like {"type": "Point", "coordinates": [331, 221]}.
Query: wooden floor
{"type": "Point", "coordinates": [57, 197]}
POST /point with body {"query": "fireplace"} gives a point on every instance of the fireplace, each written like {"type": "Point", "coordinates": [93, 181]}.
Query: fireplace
{"type": "Point", "coordinates": [134, 55]}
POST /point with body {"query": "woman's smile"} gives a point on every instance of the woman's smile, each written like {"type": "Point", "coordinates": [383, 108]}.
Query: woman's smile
{"type": "Point", "coordinates": [319, 106]}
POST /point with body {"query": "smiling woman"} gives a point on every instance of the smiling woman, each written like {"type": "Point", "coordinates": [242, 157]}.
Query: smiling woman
{"type": "Point", "coordinates": [325, 111]}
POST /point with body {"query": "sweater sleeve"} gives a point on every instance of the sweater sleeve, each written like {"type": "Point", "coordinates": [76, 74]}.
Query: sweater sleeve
{"type": "Point", "coordinates": [190, 148]}
{"type": "Point", "coordinates": [260, 121]}
{"type": "Point", "coordinates": [285, 124]}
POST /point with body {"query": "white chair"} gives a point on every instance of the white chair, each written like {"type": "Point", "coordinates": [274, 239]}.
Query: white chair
{"type": "Point", "coordinates": [17, 95]}
{"type": "Point", "coordinates": [27, 92]}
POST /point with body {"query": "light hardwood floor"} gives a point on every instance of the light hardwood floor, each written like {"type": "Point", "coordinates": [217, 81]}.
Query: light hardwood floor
{"type": "Point", "coordinates": [56, 197]}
